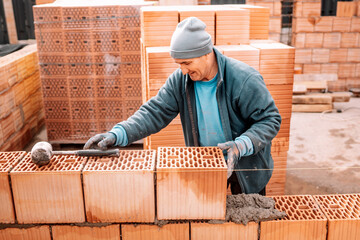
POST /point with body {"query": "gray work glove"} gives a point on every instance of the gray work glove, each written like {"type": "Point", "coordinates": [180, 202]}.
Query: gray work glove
{"type": "Point", "coordinates": [102, 141]}
{"type": "Point", "coordinates": [233, 149]}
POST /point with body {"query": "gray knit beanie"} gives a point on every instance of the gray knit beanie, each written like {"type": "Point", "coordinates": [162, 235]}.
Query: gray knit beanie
{"type": "Point", "coordinates": [190, 40]}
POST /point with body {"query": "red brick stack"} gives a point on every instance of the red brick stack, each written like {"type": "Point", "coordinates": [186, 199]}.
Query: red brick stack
{"type": "Point", "coordinates": [21, 106]}
{"type": "Point", "coordinates": [327, 44]}
{"type": "Point", "coordinates": [89, 59]}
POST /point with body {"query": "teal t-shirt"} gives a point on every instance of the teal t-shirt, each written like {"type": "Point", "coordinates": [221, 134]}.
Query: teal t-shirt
{"type": "Point", "coordinates": [208, 115]}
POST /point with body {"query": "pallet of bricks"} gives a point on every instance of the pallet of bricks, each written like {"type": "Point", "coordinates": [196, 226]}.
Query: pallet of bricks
{"type": "Point", "coordinates": [125, 198]}
{"type": "Point", "coordinates": [238, 31]}
{"type": "Point", "coordinates": [89, 56]}
{"type": "Point", "coordinates": [21, 108]}
{"type": "Point", "coordinates": [328, 44]}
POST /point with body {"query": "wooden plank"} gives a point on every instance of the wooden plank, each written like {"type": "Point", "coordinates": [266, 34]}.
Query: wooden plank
{"type": "Point", "coordinates": [312, 99]}
{"type": "Point", "coordinates": [299, 89]}
{"type": "Point", "coordinates": [10, 21]}
{"type": "Point", "coordinates": [311, 107]}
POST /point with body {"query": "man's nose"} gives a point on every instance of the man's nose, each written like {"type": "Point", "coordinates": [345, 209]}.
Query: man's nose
{"type": "Point", "coordinates": [184, 69]}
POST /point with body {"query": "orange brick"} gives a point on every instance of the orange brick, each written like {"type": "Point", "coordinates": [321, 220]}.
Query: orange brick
{"type": "Point", "coordinates": [277, 8]}
{"type": "Point", "coordinates": [338, 55]}
{"type": "Point", "coordinates": [275, 37]}
{"type": "Point", "coordinates": [7, 161]}
{"type": "Point", "coordinates": [320, 55]}
{"type": "Point", "coordinates": [303, 25]}
{"type": "Point", "coordinates": [311, 9]}
{"type": "Point", "coordinates": [332, 40]}
{"type": "Point", "coordinates": [355, 24]}
{"type": "Point", "coordinates": [353, 55]}
{"type": "Point", "coordinates": [244, 53]}
{"type": "Point", "coordinates": [7, 126]}
{"type": "Point", "coordinates": [329, 68]}
{"type": "Point", "coordinates": [352, 83]}
{"type": "Point", "coordinates": [304, 218]}
{"type": "Point", "coordinates": [227, 230]}
{"type": "Point", "coordinates": [179, 231]}
{"type": "Point", "coordinates": [314, 40]}
{"type": "Point", "coordinates": [297, 11]}
{"type": "Point", "coordinates": [59, 199]}
{"type": "Point", "coordinates": [347, 70]}
{"type": "Point", "coordinates": [337, 86]}
{"type": "Point", "coordinates": [299, 40]}
{"type": "Point", "coordinates": [324, 25]}
{"type": "Point", "coordinates": [179, 195]}
{"type": "Point", "coordinates": [349, 40]}
{"type": "Point", "coordinates": [38, 233]}
{"type": "Point", "coordinates": [345, 9]}
{"type": "Point", "coordinates": [7, 100]}
{"type": "Point", "coordinates": [341, 24]}
{"type": "Point", "coordinates": [275, 25]}
{"type": "Point", "coordinates": [106, 184]}
{"type": "Point", "coordinates": [311, 68]}
{"type": "Point", "coordinates": [342, 213]}
{"type": "Point", "coordinates": [303, 55]}
{"type": "Point", "coordinates": [63, 232]}
{"type": "Point", "coordinates": [357, 73]}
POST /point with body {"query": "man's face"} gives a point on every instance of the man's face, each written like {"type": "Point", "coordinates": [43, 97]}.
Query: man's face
{"type": "Point", "coordinates": [196, 67]}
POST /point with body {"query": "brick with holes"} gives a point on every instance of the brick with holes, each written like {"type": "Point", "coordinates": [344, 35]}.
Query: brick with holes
{"type": "Point", "coordinates": [120, 189]}
{"type": "Point", "coordinates": [50, 193]}
{"type": "Point", "coordinates": [7, 161]}
{"type": "Point", "coordinates": [191, 183]}
{"type": "Point", "coordinates": [343, 214]}
{"type": "Point", "coordinates": [304, 220]}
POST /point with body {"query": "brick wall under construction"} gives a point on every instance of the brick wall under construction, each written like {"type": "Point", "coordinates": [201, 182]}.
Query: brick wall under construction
{"type": "Point", "coordinates": [21, 106]}
{"type": "Point", "coordinates": [114, 198]}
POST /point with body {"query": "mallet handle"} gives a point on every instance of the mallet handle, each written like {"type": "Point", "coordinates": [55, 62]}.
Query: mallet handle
{"type": "Point", "coordinates": [91, 152]}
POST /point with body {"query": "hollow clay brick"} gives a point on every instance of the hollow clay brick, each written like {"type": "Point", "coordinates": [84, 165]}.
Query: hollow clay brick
{"type": "Point", "coordinates": [338, 55]}
{"type": "Point", "coordinates": [158, 24]}
{"type": "Point", "coordinates": [355, 23]}
{"type": "Point", "coordinates": [314, 40]}
{"type": "Point", "coordinates": [349, 40]}
{"type": "Point", "coordinates": [244, 53]}
{"type": "Point", "coordinates": [38, 233]}
{"type": "Point", "coordinates": [321, 55]}
{"type": "Point", "coordinates": [228, 231]}
{"type": "Point", "coordinates": [343, 214]}
{"type": "Point", "coordinates": [341, 24]}
{"type": "Point", "coordinates": [332, 40]}
{"type": "Point", "coordinates": [304, 220]}
{"type": "Point", "coordinates": [64, 232]}
{"type": "Point", "coordinates": [303, 25]}
{"type": "Point", "coordinates": [120, 189]}
{"type": "Point", "coordinates": [346, 9]}
{"type": "Point", "coordinates": [276, 62]}
{"type": "Point", "coordinates": [191, 183]}
{"type": "Point", "coordinates": [178, 231]}
{"type": "Point", "coordinates": [232, 26]}
{"type": "Point", "coordinates": [51, 193]}
{"type": "Point", "coordinates": [311, 9]}
{"type": "Point", "coordinates": [299, 40]}
{"type": "Point", "coordinates": [325, 24]}
{"type": "Point", "coordinates": [7, 161]}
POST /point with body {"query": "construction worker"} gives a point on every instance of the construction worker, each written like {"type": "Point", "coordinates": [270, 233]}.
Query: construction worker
{"type": "Point", "coordinates": [222, 102]}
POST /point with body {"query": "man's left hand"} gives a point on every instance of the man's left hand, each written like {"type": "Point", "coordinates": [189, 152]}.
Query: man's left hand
{"type": "Point", "coordinates": [233, 154]}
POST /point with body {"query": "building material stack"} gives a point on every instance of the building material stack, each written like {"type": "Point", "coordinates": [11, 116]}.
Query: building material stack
{"type": "Point", "coordinates": [328, 44]}
{"type": "Point", "coordinates": [21, 107]}
{"type": "Point", "coordinates": [275, 61]}
{"type": "Point", "coordinates": [89, 55]}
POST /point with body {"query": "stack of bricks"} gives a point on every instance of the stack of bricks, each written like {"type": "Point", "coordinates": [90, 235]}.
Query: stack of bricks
{"type": "Point", "coordinates": [89, 58]}
{"type": "Point", "coordinates": [327, 44]}
{"type": "Point", "coordinates": [114, 198]}
{"type": "Point", "coordinates": [275, 61]}
{"type": "Point", "coordinates": [21, 110]}
{"type": "Point", "coordinates": [275, 16]}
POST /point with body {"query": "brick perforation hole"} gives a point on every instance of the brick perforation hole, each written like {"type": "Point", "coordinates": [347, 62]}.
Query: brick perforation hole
{"type": "Point", "coordinates": [127, 161]}
{"type": "Point", "coordinates": [346, 206]}
{"type": "Point", "coordinates": [9, 159]}
{"type": "Point", "coordinates": [58, 163]}
{"type": "Point", "coordinates": [76, 17]}
{"type": "Point", "coordinates": [298, 208]}
{"type": "Point", "coordinates": [192, 157]}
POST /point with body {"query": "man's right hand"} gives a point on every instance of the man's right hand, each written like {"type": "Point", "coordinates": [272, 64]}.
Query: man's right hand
{"type": "Point", "coordinates": [102, 141]}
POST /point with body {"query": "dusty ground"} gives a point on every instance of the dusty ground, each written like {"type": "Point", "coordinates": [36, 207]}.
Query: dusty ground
{"type": "Point", "coordinates": [324, 154]}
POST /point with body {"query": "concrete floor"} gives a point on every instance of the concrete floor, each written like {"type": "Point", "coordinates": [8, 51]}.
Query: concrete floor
{"type": "Point", "coordinates": [324, 154]}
